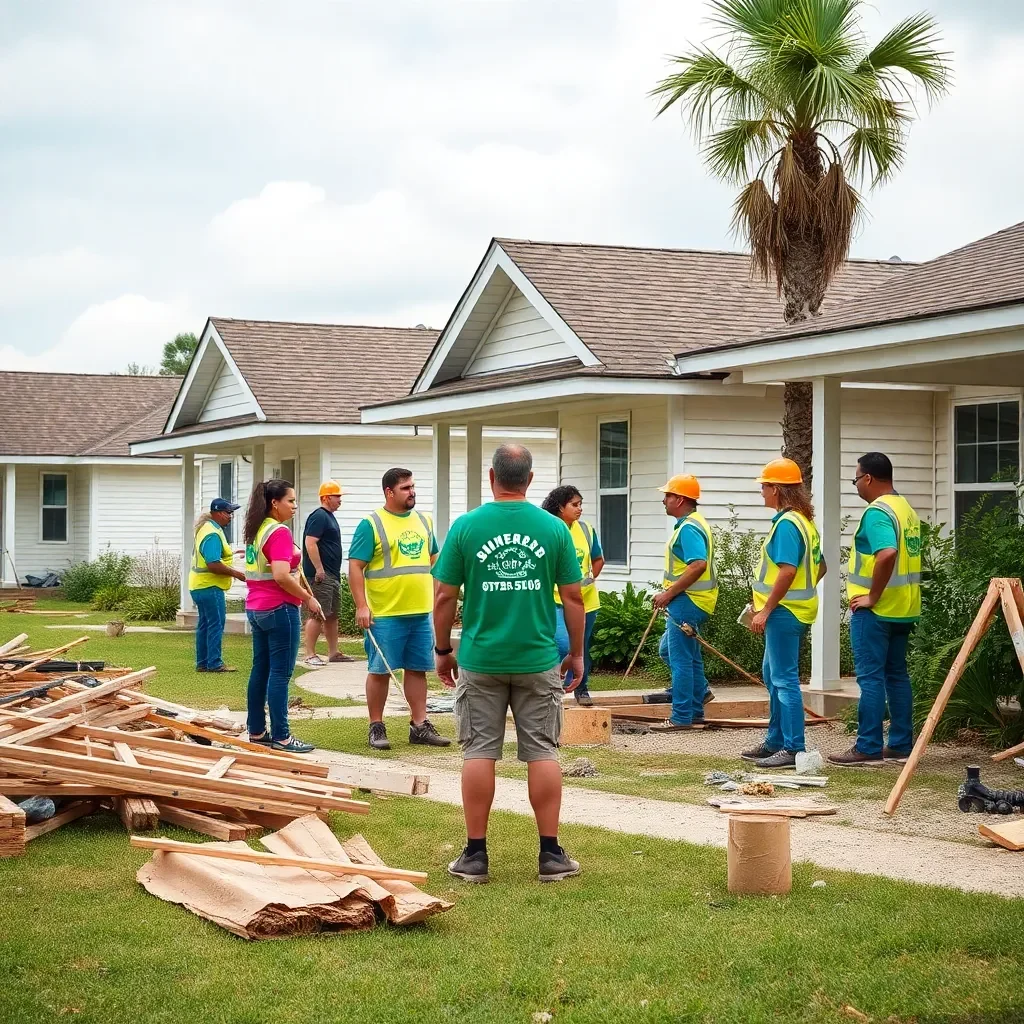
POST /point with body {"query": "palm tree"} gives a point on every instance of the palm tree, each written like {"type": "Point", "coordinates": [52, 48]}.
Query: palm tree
{"type": "Point", "coordinates": [798, 112]}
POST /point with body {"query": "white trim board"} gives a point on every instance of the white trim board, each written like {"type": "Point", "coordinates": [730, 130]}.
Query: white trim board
{"type": "Point", "coordinates": [428, 407]}
{"type": "Point", "coordinates": [495, 259]}
{"type": "Point", "coordinates": [210, 339]}
{"type": "Point", "coordinates": [88, 460]}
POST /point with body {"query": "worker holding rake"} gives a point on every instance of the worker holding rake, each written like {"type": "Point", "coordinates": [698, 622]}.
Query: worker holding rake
{"type": "Point", "coordinates": [689, 597]}
{"type": "Point", "coordinates": [785, 603]}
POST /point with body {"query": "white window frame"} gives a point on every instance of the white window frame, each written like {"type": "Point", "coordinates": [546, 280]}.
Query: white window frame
{"type": "Point", "coordinates": [234, 487]}
{"type": "Point", "coordinates": [66, 506]}
{"type": "Point", "coordinates": [622, 417]}
{"type": "Point", "coordinates": [983, 488]}
{"type": "Point", "coordinates": [296, 520]}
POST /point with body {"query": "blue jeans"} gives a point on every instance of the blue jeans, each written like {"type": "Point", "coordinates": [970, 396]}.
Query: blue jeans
{"type": "Point", "coordinates": [275, 644]}
{"type": "Point", "coordinates": [683, 656]}
{"type": "Point", "coordinates": [880, 658]}
{"type": "Point", "coordinates": [781, 673]}
{"type": "Point", "coordinates": [562, 640]}
{"type": "Point", "coordinates": [212, 610]}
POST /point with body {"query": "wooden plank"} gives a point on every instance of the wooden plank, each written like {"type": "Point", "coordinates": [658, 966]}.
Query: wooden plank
{"type": "Point", "coordinates": [1013, 619]}
{"type": "Point", "coordinates": [584, 726]}
{"type": "Point", "coordinates": [10, 812]}
{"type": "Point", "coordinates": [789, 810]}
{"type": "Point", "coordinates": [380, 781]}
{"type": "Point", "coordinates": [220, 768]}
{"type": "Point", "coordinates": [30, 787]}
{"type": "Point", "coordinates": [47, 656]}
{"type": "Point", "coordinates": [13, 644]}
{"type": "Point", "coordinates": [277, 860]}
{"type": "Point", "coordinates": [264, 819]}
{"type": "Point", "coordinates": [68, 814]}
{"type": "Point", "coordinates": [219, 737]}
{"type": "Point", "coordinates": [1009, 834]}
{"type": "Point", "coordinates": [978, 629]}
{"type": "Point", "coordinates": [137, 813]}
{"type": "Point", "coordinates": [75, 700]}
{"type": "Point", "coordinates": [124, 753]}
{"type": "Point", "coordinates": [202, 823]}
{"type": "Point", "coordinates": [41, 731]}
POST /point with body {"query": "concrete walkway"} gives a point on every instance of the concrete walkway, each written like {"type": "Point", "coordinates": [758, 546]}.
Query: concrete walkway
{"type": "Point", "coordinates": [907, 858]}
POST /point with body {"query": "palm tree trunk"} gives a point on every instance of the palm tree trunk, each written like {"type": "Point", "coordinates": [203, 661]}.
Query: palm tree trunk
{"type": "Point", "coordinates": [797, 425]}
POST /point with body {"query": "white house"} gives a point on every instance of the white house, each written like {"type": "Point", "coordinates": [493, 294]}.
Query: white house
{"type": "Point", "coordinates": [644, 358]}
{"type": "Point", "coordinates": [264, 399]}
{"type": "Point", "coordinates": [70, 488]}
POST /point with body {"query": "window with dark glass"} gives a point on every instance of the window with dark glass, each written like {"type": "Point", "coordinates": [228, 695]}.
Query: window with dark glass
{"type": "Point", "coordinates": [55, 507]}
{"type": "Point", "coordinates": [613, 490]}
{"type": "Point", "coordinates": [986, 461]}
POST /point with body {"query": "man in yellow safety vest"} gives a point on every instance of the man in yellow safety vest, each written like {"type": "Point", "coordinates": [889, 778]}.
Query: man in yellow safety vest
{"type": "Point", "coordinates": [389, 560]}
{"type": "Point", "coordinates": [689, 595]}
{"type": "Point", "coordinates": [883, 584]}
{"type": "Point", "coordinates": [209, 578]}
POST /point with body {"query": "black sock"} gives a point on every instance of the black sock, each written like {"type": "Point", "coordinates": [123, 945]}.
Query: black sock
{"type": "Point", "coordinates": [476, 846]}
{"type": "Point", "coordinates": [549, 844]}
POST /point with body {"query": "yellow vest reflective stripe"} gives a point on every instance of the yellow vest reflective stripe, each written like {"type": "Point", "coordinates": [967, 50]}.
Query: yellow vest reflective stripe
{"type": "Point", "coordinates": [406, 555]}
{"type": "Point", "coordinates": [802, 597]}
{"type": "Point", "coordinates": [901, 598]}
{"type": "Point", "coordinates": [199, 576]}
{"type": "Point", "coordinates": [257, 565]}
{"type": "Point", "coordinates": [583, 538]}
{"type": "Point", "coordinates": [704, 590]}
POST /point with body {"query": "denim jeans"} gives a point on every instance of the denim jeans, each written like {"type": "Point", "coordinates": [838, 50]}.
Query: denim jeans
{"type": "Point", "coordinates": [781, 673]}
{"type": "Point", "coordinates": [562, 640]}
{"type": "Point", "coordinates": [683, 656]}
{"type": "Point", "coordinates": [880, 658]}
{"type": "Point", "coordinates": [212, 611]}
{"type": "Point", "coordinates": [275, 644]}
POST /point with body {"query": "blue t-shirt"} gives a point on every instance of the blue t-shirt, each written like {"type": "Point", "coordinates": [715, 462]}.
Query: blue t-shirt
{"type": "Point", "coordinates": [212, 549]}
{"type": "Point", "coordinates": [690, 546]}
{"type": "Point", "coordinates": [875, 533]}
{"type": "Point", "coordinates": [322, 525]}
{"type": "Point", "coordinates": [596, 551]}
{"type": "Point", "coordinates": [787, 544]}
{"type": "Point", "coordinates": [364, 540]}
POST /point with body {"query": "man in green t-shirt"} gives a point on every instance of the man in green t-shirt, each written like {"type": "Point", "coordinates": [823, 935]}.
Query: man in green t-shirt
{"type": "Point", "coordinates": [508, 556]}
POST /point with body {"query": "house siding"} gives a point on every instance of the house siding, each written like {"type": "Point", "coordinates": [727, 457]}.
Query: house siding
{"type": "Point", "coordinates": [227, 398]}
{"type": "Point", "coordinates": [80, 512]}
{"type": "Point", "coordinates": [138, 508]}
{"type": "Point", "coordinates": [520, 337]}
{"type": "Point", "coordinates": [33, 555]}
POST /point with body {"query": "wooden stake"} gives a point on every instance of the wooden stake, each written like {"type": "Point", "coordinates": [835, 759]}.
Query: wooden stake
{"type": "Point", "coordinates": [13, 645]}
{"type": "Point", "coordinates": [643, 640]}
{"type": "Point", "coordinates": [978, 629]}
{"type": "Point", "coordinates": [332, 867]}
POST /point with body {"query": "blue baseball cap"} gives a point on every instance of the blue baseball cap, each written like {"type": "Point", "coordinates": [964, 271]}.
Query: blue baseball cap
{"type": "Point", "coordinates": [223, 505]}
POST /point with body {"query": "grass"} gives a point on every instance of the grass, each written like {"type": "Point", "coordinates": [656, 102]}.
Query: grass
{"type": "Point", "coordinates": [647, 933]}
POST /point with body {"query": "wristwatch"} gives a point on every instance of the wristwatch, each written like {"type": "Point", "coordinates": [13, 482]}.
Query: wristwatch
{"type": "Point", "coordinates": [442, 651]}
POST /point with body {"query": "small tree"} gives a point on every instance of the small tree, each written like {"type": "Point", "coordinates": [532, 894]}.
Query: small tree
{"type": "Point", "coordinates": [796, 113]}
{"type": "Point", "coordinates": [135, 370]}
{"type": "Point", "coordinates": [178, 354]}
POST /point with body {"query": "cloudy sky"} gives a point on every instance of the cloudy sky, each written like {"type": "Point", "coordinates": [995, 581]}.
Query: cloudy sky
{"type": "Point", "coordinates": [348, 162]}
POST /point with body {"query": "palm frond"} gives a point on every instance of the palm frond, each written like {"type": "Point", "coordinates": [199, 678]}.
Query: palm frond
{"type": "Point", "coordinates": [705, 84]}
{"type": "Point", "coordinates": [826, 29]}
{"type": "Point", "coordinates": [874, 153]}
{"type": "Point", "coordinates": [794, 192]}
{"type": "Point", "coordinates": [756, 219]}
{"type": "Point", "coordinates": [837, 208]}
{"type": "Point", "coordinates": [910, 48]}
{"type": "Point", "coordinates": [755, 23]}
{"type": "Point", "coordinates": [731, 151]}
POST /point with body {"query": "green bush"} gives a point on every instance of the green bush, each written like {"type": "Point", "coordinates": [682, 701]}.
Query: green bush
{"type": "Point", "coordinates": [82, 580]}
{"type": "Point", "coordinates": [619, 627]}
{"type": "Point", "coordinates": [151, 604]}
{"type": "Point", "coordinates": [955, 576]}
{"type": "Point", "coordinates": [110, 598]}
{"type": "Point", "coordinates": [347, 612]}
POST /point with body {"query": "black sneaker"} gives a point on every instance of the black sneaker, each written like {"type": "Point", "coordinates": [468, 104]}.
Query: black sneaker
{"type": "Point", "coordinates": [853, 758]}
{"type": "Point", "coordinates": [553, 867]}
{"type": "Point", "coordinates": [425, 734]}
{"type": "Point", "coordinates": [583, 698]}
{"type": "Point", "coordinates": [758, 753]}
{"type": "Point", "coordinates": [379, 736]}
{"type": "Point", "coordinates": [470, 867]}
{"type": "Point", "coordinates": [708, 697]}
{"type": "Point", "coordinates": [888, 754]}
{"type": "Point", "coordinates": [263, 741]}
{"type": "Point", "coordinates": [780, 759]}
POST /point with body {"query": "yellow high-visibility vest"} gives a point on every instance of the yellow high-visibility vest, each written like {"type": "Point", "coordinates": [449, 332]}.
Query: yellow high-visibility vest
{"type": "Point", "coordinates": [199, 576]}
{"type": "Point", "coordinates": [802, 597]}
{"type": "Point", "coordinates": [901, 598]}
{"type": "Point", "coordinates": [398, 580]}
{"type": "Point", "coordinates": [257, 565]}
{"type": "Point", "coordinates": [703, 592]}
{"type": "Point", "coordinates": [583, 538]}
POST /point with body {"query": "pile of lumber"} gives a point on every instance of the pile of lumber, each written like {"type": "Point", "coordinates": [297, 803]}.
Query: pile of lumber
{"type": "Point", "coordinates": [107, 745]}
{"type": "Point", "coordinates": [719, 714]}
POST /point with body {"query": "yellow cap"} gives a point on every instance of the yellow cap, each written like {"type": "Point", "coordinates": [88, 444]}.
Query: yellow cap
{"type": "Point", "coordinates": [781, 471]}
{"type": "Point", "coordinates": [330, 487]}
{"type": "Point", "coordinates": [683, 484]}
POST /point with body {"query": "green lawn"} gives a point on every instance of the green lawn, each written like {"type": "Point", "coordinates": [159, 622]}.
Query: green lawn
{"type": "Point", "coordinates": [647, 933]}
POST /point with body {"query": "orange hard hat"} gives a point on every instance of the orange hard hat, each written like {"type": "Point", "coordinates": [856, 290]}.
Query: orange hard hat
{"type": "Point", "coordinates": [330, 487]}
{"type": "Point", "coordinates": [683, 484]}
{"type": "Point", "coordinates": [781, 471]}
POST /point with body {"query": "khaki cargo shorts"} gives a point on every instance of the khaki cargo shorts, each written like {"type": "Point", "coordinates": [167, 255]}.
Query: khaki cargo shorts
{"type": "Point", "coordinates": [481, 705]}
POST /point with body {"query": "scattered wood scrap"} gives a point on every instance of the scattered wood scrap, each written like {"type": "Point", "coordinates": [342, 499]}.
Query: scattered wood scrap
{"type": "Point", "coordinates": [1009, 834]}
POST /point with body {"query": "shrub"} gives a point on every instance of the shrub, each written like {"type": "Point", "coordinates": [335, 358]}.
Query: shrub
{"type": "Point", "coordinates": [157, 569]}
{"type": "Point", "coordinates": [347, 612]}
{"type": "Point", "coordinates": [619, 626]}
{"type": "Point", "coordinates": [81, 581]}
{"type": "Point", "coordinates": [151, 604]}
{"type": "Point", "coordinates": [955, 576]}
{"type": "Point", "coordinates": [110, 598]}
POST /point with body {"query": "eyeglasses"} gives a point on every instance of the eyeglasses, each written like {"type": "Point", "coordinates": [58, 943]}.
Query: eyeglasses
{"type": "Point", "coordinates": [857, 479]}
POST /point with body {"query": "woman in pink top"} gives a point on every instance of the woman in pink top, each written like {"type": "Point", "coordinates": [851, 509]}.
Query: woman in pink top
{"type": "Point", "coordinates": [272, 603]}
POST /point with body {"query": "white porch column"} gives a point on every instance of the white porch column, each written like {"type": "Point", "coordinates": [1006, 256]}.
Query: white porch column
{"type": "Point", "coordinates": [826, 465]}
{"type": "Point", "coordinates": [7, 571]}
{"type": "Point", "coordinates": [325, 460]}
{"type": "Point", "coordinates": [474, 464]}
{"type": "Point", "coordinates": [188, 515]}
{"type": "Point", "coordinates": [258, 471]}
{"type": "Point", "coordinates": [442, 480]}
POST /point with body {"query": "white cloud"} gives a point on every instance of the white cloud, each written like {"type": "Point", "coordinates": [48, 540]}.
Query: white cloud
{"type": "Point", "coordinates": [74, 271]}
{"type": "Point", "coordinates": [107, 337]}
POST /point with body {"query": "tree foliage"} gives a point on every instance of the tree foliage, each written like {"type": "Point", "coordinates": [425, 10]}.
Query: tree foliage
{"type": "Point", "coordinates": [178, 354]}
